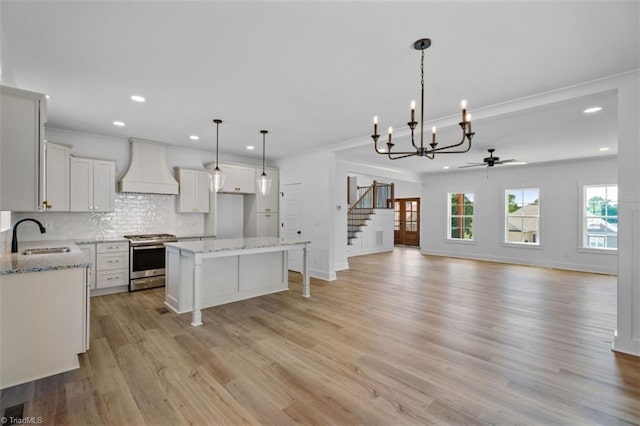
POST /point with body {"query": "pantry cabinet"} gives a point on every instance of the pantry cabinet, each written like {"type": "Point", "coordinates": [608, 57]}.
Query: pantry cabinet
{"type": "Point", "coordinates": [194, 191]}
{"type": "Point", "coordinates": [92, 185]}
{"type": "Point", "coordinates": [22, 118]}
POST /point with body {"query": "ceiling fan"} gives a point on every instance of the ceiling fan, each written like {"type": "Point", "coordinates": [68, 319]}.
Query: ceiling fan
{"type": "Point", "coordinates": [489, 161]}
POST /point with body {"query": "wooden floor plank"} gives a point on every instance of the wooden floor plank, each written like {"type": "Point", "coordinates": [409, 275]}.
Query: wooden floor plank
{"type": "Point", "coordinates": [399, 338]}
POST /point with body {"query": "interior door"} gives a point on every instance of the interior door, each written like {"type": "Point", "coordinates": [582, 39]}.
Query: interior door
{"type": "Point", "coordinates": [406, 229]}
{"type": "Point", "coordinates": [291, 224]}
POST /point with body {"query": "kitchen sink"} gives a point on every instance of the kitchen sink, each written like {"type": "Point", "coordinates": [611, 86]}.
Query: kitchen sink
{"type": "Point", "coordinates": [46, 250]}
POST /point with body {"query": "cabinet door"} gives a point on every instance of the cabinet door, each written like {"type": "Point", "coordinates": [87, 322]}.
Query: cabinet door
{"type": "Point", "coordinates": [188, 191]}
{"type": "Point", "coordinates": [57, 177]}
{"type": "Point", "coordinates": [267, 225]}
{"type": "Point", "coordinates": [202, 192]}
{"type": "Point", "coordinates": [247, 180]}
{"type": "Point", "coordinates": [104, 186]}
{"type": "Point", "coordinates": [231, 183]}
{"type": "Point", "coordinates": [90, 251]}
{"type": "Point", "coordinates": [81, 187]}
{"type": "Point", "coordinates": [21, 150]}
{"type": "Point", "coordinates": [268, 203]}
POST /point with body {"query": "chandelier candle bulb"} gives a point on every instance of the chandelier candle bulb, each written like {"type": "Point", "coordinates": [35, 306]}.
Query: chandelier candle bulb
{"type": "Point", "coordinates": [375, 124]}
{"type": "Point", "coordinates": [390, 132]}
{"type": "Point", "coordinates": [413, 110]}
{"type": "Point", "coordinates": [463, 104]}
{"type": "Point", "coordinates": [468, 123]}
{"type": "Point", "coordinates": [433, 134]}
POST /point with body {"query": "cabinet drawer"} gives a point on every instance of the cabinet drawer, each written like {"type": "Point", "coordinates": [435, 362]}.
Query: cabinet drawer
{"type": "Point", "coordinates": [112, 278]}
{"type": "Point", "coordinates": [112, 247]}
{"type": "Point", "coordinates": [112, 261]}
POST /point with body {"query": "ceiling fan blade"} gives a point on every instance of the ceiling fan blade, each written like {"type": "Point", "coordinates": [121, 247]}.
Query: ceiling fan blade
{"type": "Point", "coordinates": [505, 161]}
{"type": "Point", "coordinates": [472, 165]}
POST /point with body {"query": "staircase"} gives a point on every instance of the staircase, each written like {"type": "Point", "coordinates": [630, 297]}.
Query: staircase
{"type": "Point", "coordinates": [376, 196]}
{"type": "Point", "coordinates": [357, 219]}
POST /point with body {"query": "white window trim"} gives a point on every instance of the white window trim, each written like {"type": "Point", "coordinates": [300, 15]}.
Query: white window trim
{"type": "Point", "coordinates": [581, 219]}
{"type": "Point", "coordinates": [473, 217]}
{"type": "Point", "coordinates": [503, 240]}
{"type": "Point", "coordinates": [5, 221]}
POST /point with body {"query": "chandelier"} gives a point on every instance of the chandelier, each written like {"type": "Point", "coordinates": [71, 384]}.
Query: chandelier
{"type": "Point", "coordinates": [432, 149]}
{"type": "Point", "coordinates": [263, 182]}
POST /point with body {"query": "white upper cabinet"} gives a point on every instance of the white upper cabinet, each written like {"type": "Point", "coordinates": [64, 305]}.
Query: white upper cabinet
{"type": "Point", "coordinates": [194, 191]}
{"type": "Point", "coordinates": [92, 185]}
{"type": "Point", "coordinates": [238, 179]}
{"type": "Point", "coordinates": [57, 177]}
{"type": "Point", "coordinates": [22, 115]}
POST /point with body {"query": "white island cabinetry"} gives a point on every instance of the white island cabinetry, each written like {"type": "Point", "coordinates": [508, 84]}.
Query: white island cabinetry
{"type": "Point", "coordinates": [201, 274]}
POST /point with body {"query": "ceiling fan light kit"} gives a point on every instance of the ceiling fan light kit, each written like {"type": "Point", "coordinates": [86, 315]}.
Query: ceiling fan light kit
{"type": "Point", "coordinates": [432, 149]}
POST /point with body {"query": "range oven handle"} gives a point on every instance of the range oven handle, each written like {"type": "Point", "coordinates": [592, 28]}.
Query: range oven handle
{"type": "Point", "coordinates": [134, 248]}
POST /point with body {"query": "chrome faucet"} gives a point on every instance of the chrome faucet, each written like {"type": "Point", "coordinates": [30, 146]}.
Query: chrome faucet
{"type": "Point", "coordinates": [14, 239]}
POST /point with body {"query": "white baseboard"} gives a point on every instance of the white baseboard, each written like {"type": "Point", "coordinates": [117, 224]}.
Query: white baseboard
{"type": "Point", "coordinates": [342, 266]}
{"type": "Point", "coordinates": [323, 275]}
{"type": "Point", "coordinates": [518, 261]}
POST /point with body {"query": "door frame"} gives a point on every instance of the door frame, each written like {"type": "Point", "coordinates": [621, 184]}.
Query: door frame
{"type": "Point", "coordinates": [402, 223]}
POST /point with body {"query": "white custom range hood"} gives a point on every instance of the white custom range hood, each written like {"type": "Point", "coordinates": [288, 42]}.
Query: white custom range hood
{"type": "Point", "coordinates": [148, 171]}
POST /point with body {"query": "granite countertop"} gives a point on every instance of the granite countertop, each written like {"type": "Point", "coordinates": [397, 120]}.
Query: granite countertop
{"type": "Point", "coordinates": [17, 263]}
{"type": "Point", "coordinates": [89, 240]}
{"type": "Point", "coordinates": [213, 246]}
{"type": "Point", "coordinates": [191, 236]}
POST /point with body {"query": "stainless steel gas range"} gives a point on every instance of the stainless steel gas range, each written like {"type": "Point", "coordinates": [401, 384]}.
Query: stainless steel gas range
{"type": "Point", "coordinates": [147, 260]}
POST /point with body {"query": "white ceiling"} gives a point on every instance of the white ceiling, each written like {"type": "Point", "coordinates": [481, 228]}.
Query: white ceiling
{"type": "Point", "coordinates": [314, 73]}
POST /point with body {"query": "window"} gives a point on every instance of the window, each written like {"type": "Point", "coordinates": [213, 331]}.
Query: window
{"type": "Point", "coordinates": [460, 216]}
{"type": "Point", "coordinates": [522, 211]}
{"type": "Point", "coordinates": [600, 217]}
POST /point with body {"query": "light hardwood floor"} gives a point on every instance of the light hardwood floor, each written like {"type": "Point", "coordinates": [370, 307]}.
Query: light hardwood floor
{"type": "Point", "coordinates": [400, 338]}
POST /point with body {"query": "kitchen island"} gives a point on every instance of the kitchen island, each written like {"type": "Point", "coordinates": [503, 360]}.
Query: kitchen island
{"type": "Point", "coordinates": [202, 274]}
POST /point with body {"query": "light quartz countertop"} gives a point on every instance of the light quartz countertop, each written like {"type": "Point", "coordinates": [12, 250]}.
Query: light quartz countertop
{"type": "Point", "coordinates": [17, 263]}
{"type": "Point", "coordinates": [232, 244]}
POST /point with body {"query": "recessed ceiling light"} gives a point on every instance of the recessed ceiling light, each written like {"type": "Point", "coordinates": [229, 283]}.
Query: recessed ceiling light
{"type": "Point", "coordinates": [250, 147]}
{"type": "Point", "coordinates": [194, 137]}
{"type": "Point", "coordinates": [446, 167]}
{"type": "Point", "coordinates": [48, 96]}
{"type": "Point", "coordinates": [592, 110]}
{"type": "Point", "coordinates": [382, 149]}
{"type": "Point", "coordinates": [118, 123]}
{"type": "Point", "coordinates": [604, 148]}
{"type": "Point", "coordinates": [138, 98]}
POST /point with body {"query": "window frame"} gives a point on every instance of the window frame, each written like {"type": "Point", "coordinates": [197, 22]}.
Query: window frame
{"type": "Point", "coordinates": [505, 217]}
{"type": "Point", "coordinates": [582, 212]}
{"type": "Point", "coordinates": [449, 238]}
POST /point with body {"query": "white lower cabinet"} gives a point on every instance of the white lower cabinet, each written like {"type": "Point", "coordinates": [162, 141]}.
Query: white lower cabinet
{"type": "Point", "coordinates": [43, 323]}
{"type": "Point", "coordinates": [112, 264]}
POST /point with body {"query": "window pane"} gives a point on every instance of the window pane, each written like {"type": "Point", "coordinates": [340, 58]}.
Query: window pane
{"type": "Point", "coordinates": [460, 215]}
{"type": "Point", "coordinates": [600, 225]}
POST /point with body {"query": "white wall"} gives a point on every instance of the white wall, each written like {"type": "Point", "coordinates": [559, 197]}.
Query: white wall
{"type": "Point", "coordinates": [559, 209]}
{"type": "Point", "coordinates": [316, 173]}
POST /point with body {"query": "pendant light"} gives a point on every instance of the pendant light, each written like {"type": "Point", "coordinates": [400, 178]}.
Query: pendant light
{"type": "Point", "coordinates": [263, 182]}
{"type": "Point", "coordinates": [216, 177]}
